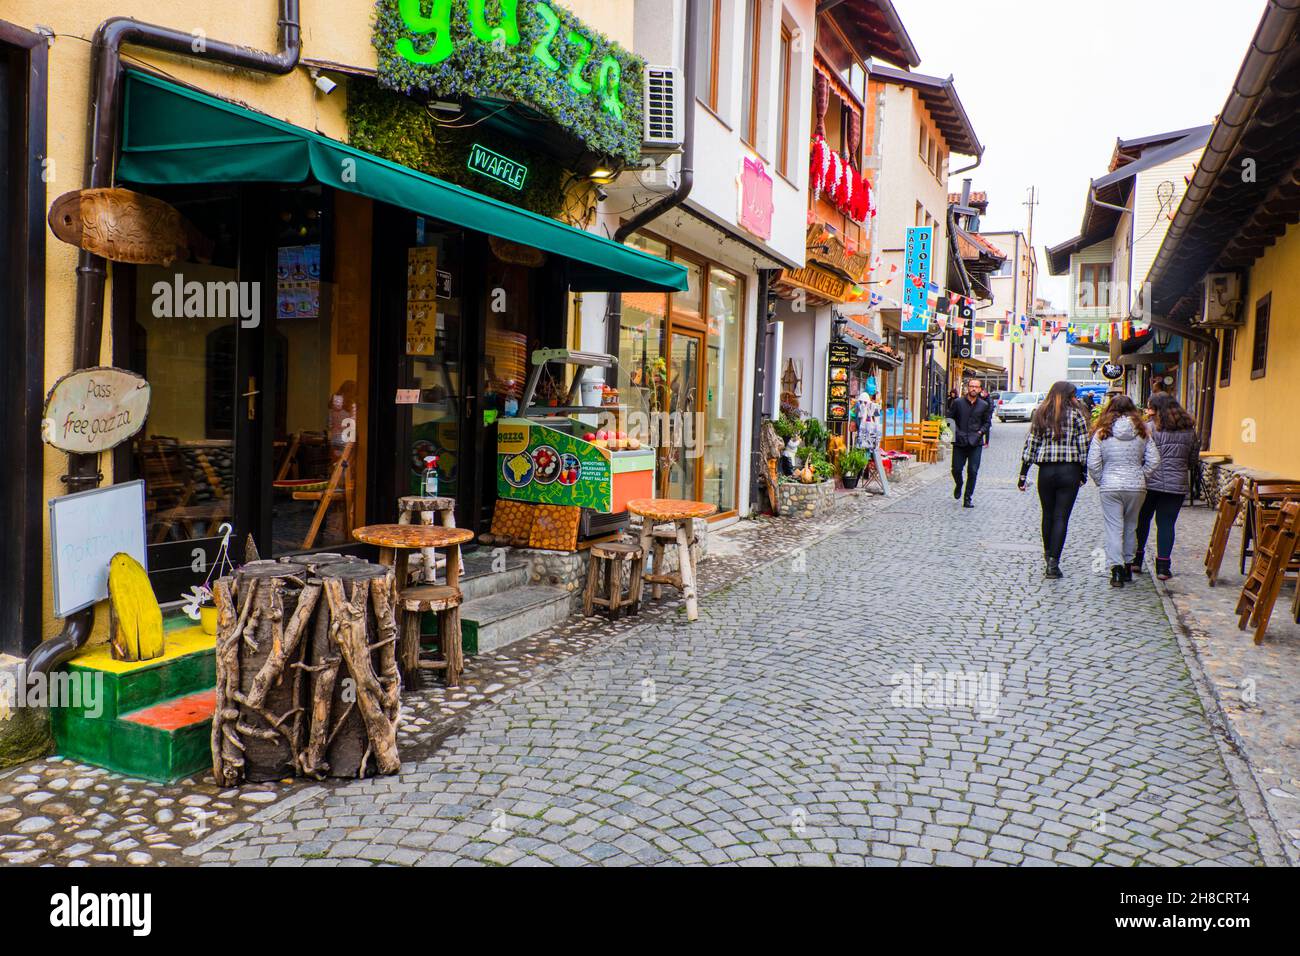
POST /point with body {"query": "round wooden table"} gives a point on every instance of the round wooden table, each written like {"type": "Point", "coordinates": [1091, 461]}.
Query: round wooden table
{"type": "Point", "coordinates": [396, 540]}
{"type": "Point", "coordinates": [681, 514]}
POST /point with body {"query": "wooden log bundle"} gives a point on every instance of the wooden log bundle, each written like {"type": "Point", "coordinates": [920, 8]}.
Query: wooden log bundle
{"type": "Point", "coordinates": [307, 679]}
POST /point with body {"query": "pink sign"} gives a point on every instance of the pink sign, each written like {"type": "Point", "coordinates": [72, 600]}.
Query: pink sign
{"type": "Point", "coordinates": [756, 199]}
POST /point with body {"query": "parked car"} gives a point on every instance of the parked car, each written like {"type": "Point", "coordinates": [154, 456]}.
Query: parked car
{"type": "Point", "coordinates": [999, 398]}
{"type": "Point", "coordinates": [1020, 408]}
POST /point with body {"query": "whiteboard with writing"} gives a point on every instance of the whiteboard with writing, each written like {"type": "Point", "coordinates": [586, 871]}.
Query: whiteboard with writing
{"type": "Point", "coordinates": [86, 530]}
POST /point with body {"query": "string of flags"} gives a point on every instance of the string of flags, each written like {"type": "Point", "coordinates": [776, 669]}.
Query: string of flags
{"type": "Point", "coordinates": [1011, 327]}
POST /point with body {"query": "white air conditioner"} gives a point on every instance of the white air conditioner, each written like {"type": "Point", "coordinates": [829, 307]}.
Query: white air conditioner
{"type": "Point", "coordinates": [1222, 306]}
{"type": "Point", "coordinates": [663, 109]}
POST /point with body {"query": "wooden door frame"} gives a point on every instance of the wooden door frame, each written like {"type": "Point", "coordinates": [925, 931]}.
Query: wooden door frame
{"type": "Point", "coordinates": [23, 356]}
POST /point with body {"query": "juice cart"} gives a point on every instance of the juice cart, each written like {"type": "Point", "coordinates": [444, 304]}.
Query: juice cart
{"type": "Point", "coordinates": [571, 454]}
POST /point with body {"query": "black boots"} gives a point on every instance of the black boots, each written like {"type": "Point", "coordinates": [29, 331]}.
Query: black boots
{"type": "Point", "coordinates": [1128, 573]}
{"type": "Point", "coordinates": [1117, 576]}
{"type": "Point", "coordinates": [1053, 569]}
{"type": "Point", "coordinates": [956, 491]}
{"type": "Point", "coordinates": [1164, 571]}
{"type": "Point", "coordinates": [1136, 564]}
{"type": "Point", "coordinates": [968, 503]}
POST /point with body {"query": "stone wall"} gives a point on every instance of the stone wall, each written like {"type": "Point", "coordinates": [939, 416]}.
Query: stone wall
{"type": "Point", "coordinates": [24, 731]}
{"type": "Point", "coordinates": [798, 500]}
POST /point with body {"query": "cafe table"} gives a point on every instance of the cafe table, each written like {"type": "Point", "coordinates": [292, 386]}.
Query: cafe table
{"type": "Point", "coordinates": [396, 541]}
{"type": "Point", "coordinates": [681, 514]}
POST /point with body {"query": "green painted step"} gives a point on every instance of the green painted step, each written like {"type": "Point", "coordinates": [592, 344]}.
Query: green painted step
{"type": "Point", "coordinates": [150, 719]}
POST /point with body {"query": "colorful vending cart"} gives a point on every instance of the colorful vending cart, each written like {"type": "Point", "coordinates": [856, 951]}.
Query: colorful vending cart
{"type": "Point", "coordinates": [572, 453]}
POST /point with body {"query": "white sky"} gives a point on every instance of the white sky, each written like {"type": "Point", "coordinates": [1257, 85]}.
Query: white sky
{"type": "Point", "coordinates": [1050, 84]}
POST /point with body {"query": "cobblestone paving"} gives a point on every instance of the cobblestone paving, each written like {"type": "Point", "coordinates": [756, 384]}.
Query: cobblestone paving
{"type": "Point", "coordinates": [775, 731]}
{"type": "Point", "coordinates": [58, 811]}
{"type": "Point", "coordinates": [1257, 687]}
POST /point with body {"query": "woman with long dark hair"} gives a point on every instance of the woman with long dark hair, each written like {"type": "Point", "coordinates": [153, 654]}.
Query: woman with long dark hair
{"type": "Point", "coordinates": [1120, 458]}
{"type": "Point", "coordinates": [1174, 433]}
{"type": "Point", "coordinates": [1058, 444]}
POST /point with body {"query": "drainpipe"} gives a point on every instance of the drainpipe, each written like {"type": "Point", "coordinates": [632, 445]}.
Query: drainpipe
{"type": "Point", "coordinates": [685, 179]}
{"type": "Point", "coordinates": [102, 125]}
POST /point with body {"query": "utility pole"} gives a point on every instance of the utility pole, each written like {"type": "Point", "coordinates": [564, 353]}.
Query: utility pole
{"type": "Point", "coordinates": [1030, 285]}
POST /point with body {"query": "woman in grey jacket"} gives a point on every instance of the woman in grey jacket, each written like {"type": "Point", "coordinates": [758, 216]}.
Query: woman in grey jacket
{"type": "Point", "coordinates": [1120, 458]}
{"type": "Point", "coordinates": [1174, 433]}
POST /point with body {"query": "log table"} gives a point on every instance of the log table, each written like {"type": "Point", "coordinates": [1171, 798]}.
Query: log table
{"type": "Point", "coordinates": [681, 515]}
{"type": "Point", "coordinates": [395, 542]}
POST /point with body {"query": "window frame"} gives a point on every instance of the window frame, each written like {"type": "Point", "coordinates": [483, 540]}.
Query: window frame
{"type": "Point", "coordinates": [751, 63]}
{"type": "Point", "coordinates": [1259, 340]}
{"type": "Point", "coordinates": [1095, 268]}
{"type": "Point", "coordinates": [712, 64]}
{"type": "Point", "coordinates": [784, 115]}
{"type": "Point", "coordinates": [1227, 346]}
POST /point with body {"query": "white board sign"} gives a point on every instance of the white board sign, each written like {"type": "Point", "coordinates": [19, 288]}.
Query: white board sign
{"type": "Point", "coordinates": [86, 530]}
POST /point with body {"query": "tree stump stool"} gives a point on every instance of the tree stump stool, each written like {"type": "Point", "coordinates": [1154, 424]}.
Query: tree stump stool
{"type": "Point", "coordinates": [605, 567]}
{"type": "Point", "coordinates": [667, 538]}
{"type": "Point", "coordinates": [444, 601]}
{"type": "Point", "coordinates": [425, 511]}
{"type": "Point", "coordinates": [681, 515]}
{"type": "Point", "coordinates": [264, 622]}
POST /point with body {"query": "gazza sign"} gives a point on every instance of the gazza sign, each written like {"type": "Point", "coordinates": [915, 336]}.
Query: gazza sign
{"type": "Point", "coordinates": [495, 166]}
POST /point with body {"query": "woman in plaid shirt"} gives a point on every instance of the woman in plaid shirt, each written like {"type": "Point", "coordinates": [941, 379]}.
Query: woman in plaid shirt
{"type": "Point", "coordinates": [1058, 444]}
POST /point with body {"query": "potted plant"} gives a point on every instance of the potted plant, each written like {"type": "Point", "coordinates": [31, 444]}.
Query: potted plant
{"type": "Point", "coordinates": [853, 462]}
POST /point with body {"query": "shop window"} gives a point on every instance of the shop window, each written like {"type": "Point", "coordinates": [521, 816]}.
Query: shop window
{"type": "Point", "coordinates": [642, 366]}
{"type": "Point", "coordinates": [1227, 346]}
{"type": "Point", "coordinates": [1259, 347]}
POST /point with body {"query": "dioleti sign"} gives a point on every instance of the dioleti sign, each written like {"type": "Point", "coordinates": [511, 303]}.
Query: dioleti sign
{"type": "Point", "coordinates": [94, 409]}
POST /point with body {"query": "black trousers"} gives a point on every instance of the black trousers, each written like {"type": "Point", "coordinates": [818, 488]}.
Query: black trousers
{"type": "Point", "coordinates": [1164, 507]}
{"type": "Point", "coordinates": [969, 459]}
{"type": "Point", "coordinates": [1058, 487]}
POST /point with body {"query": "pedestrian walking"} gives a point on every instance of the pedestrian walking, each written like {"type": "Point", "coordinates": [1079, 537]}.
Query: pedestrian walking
{"type": "Point", "coordinates": [1120, 458]}
{"type": "Point", "coordinates": [1058, 444]}
{"type": "Point", "coordinates": [972, 417]}
{"type": "Point", "coordinates": [1174, 432]}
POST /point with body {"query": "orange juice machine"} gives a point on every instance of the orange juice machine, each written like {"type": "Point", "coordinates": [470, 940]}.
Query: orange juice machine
{"type": "Point", "coordinates": [561, 451]}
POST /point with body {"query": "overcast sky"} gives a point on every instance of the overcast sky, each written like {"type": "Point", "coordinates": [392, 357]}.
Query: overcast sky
{"type": "Point", "coordinates": [1050, 84]}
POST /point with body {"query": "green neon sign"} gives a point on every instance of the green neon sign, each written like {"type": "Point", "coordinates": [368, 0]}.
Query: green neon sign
{"type": "Point", "coordinates": [495, 166]}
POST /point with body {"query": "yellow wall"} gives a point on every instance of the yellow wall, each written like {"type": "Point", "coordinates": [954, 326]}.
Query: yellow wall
{"type": "Point", "coordinates": [334, 31]}
{"type": "Point", "coordinates": [1255, 419]}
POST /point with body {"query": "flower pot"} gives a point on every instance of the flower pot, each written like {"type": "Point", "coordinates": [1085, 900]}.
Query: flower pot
{"type": "Point", "coordinates": [849, 481]}
{"type": "Point", "coordinates": [208, 620]}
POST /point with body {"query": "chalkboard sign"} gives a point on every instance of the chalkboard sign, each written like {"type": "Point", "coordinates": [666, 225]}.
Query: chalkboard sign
{"type": "Point", "coordinates": [86, 530]}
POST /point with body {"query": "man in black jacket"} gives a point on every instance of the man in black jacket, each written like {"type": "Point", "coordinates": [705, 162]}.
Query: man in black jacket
{"type": "Point", "coordinates": [972, 417]}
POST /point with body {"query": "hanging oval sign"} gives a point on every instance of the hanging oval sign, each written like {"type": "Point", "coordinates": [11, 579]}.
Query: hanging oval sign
{"type": "Point", "coordinates": [94, 409]}
{"type": "Point", "coordinates": [1112, 371]}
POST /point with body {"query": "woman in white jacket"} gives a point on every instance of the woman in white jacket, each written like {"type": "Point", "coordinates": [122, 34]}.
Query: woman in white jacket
{"type": "Point", "coordinates": [1120, 457]}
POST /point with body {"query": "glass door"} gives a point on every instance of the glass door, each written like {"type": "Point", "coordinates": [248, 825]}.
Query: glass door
{"type": "Point", "coordinates": [680, 443]}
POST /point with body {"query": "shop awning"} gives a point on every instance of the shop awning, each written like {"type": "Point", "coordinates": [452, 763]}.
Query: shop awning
{"type": "Point", "coordinates": [172, 135]}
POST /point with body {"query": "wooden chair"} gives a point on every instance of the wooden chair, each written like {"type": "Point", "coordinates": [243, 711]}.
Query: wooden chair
{"type": "Point", "coordinates": [1229, 508]}
{"type": "Point", "coordinates": [1276, 546]}
{"type": "Point", "coordinates": [605, 567]}
{"type": "Point", "coordinates": [340, 489]}
{"type": "Point", "coordinates": [1262, 495]}
{"type": "Point", "coordinates": [444, 601]}
{"type": "Point", "coordinates": [914, 440]}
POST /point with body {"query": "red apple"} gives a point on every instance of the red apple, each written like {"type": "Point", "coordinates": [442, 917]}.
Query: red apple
{"type": "Point", "coordinates": [590, 436]}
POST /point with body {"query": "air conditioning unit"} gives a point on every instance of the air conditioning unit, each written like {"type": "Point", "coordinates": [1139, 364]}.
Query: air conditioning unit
{"type": "Point", "coordinates": [663, 109]}
{"type": "Point", "coordinates": [1222, 306]}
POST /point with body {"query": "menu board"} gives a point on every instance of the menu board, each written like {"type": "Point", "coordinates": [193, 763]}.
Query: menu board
{"type": "Point", "coordinates": [297, 274]}
{"type": "Point", "coordinates": [840, 359]}
{"type": "Point", "coordinates": [421, 305]}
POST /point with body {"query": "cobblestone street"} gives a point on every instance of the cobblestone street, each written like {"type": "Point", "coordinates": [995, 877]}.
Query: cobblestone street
{"type": "Point", "coordinates": [777, 729]}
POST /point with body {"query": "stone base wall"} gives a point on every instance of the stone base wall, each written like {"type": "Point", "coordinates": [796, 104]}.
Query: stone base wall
{"type": "Point", "coordinates": [797, 500]}
{"type": "Point", "coordinates": [24, 731]}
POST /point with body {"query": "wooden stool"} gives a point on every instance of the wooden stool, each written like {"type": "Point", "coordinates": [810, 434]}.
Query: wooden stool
{"type": "Point", "coordinates": [681, 515]}
{"type": "Point", "coordinates": [1229, 508]}
{"type": "Point", "coordinates": [1274, 548]}
{"type": "Point", "coordinates": [667, 538]}
{"type": "Point", "coordinates": [424, 510]}
{"type": "Point", "coordinates": [609, 559]}
{"type": "Point", "coordinates": [444, 601]}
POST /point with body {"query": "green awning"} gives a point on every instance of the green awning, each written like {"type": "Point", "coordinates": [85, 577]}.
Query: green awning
{"type": "Point", "coordinates": [173, 135]}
